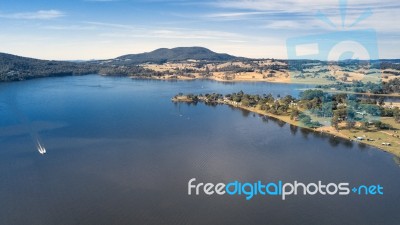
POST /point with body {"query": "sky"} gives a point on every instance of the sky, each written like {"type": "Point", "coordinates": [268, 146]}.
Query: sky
{"type": "Point", "coordinates": [102, 29]}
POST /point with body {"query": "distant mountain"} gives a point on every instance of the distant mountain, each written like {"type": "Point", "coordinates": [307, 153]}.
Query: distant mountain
{"type": "Point", "coordinates": [14, 67]}
{"type": "Point", "coordinates": [163, 55]}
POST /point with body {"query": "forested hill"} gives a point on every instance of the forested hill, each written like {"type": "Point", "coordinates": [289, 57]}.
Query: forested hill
{"type": "Point", "coordinates": [14, 68]}
{"type": "Point", "coordinates": [163, 55]}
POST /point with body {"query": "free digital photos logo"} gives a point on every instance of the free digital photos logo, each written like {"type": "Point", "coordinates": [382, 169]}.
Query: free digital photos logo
{"type": "Point", "coordinates": [280, 188]}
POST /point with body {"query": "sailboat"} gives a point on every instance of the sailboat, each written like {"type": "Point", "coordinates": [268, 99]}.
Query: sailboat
{"type": "Point", "coordinates": [41, 149]}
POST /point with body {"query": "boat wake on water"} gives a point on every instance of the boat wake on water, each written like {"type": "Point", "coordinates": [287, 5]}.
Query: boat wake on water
{"type": "Point", "coordinates": [41, 149]}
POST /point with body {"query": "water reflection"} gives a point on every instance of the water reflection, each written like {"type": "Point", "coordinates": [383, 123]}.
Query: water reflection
{"type": "Point", "coordinates": [293, 129]}
{"type": "Point", "coordinates": [396, 160]}
{"type": "Point", "coordinates": [362, 146]}
{"type": "Point", "coordinates": [333, 141]}
{"type": "Point", "coordinates": [245, 113]}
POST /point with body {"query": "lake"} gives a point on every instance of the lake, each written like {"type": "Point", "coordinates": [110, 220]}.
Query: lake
{"type": "Point", "coordinates": [120, 152]}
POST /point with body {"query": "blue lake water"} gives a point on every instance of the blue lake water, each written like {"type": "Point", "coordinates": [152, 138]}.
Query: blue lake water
{"type": "Point", "coordinates": [120, 152]}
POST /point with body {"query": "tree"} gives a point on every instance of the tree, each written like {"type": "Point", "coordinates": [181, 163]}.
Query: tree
{"type": "Point", "coordinates": [269, 98]}
{"type": "Point", "coordinates": [245, 102]}
{"type": "Point", "coordinates": [364, 125]}
{"type": "Point", "coordinates": [396, 114]}
{"type": "Point", "coordinates": [267, 108]}
{"type": "Point", "coordinates": [335, 122]}
{"type": "Point", "coordinates": [311, 94]}
{"type": "Point", "coordinates": [381, 101]}
{"type": "Point", "coordinates": [276, 105]}
{"type": "Point", "coordinates": [350, 124]}
{"type": "Point", "coordinates": [287, 100]}
{"type": "Point", "coordinates": [294, 113]}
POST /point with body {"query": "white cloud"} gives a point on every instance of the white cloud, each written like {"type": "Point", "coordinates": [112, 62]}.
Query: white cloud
{"type": "Point", "coordinates": [303, 5]}
{"type": "Point", "coordinates": [234, 15]}
{"type": "Point", "coordinates": [114, 30]}
{"type": "Point", "coordinates": [305, 11]}
{"type": "Point", "coordinates": [70, 27]}
{"type": "Point", "coordinates": [193, 34]}
{"type": "Point", "coordinates": [38, 15]}
{"type": "Point", "coordinates": [176, 35]}
{"type": "Point", "coordinates": [261, 5]}
{"type": "Point", "coordinates": [112, 25]}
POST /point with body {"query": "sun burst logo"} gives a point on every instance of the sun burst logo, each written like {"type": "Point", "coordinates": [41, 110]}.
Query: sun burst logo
{"type": "Point", "coordinates": [344, 55]}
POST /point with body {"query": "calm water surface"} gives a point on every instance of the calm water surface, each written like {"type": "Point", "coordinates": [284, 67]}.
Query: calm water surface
{"type": "Point", "coordinates": [120, 152]}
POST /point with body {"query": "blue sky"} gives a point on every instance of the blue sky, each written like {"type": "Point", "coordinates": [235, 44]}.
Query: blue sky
{"type": "Point", "coordinates": [100, 29]}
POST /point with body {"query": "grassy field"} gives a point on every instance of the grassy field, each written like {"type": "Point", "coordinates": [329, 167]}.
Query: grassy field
{"type": "Point", "coordinates": [381, 136]}
{"type": "Point", "coordinates": [376, 137]}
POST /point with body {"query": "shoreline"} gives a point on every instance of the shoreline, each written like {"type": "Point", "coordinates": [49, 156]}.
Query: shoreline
{"type": "Point", "coordinates": [342, 133]}
{"type": "Point", "coordinates": [185, 78]}
{"type": "Point", "coordinates": [358, 93]}
{"type": "Point", "coordinates": [285, 81]}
